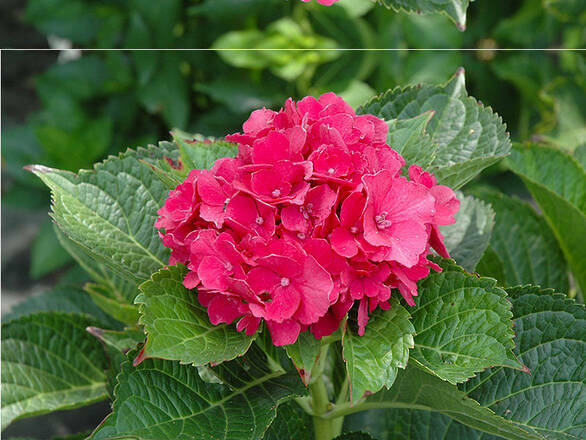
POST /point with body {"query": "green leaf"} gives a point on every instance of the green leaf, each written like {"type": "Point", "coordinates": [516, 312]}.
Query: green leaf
{"type": "Point", "coordinates": [372, 360]}
{"type": "Point", "coordinates": [304, 353]}
{"type": "Point", "coordinates": [467, 239]}
{"type": "Point", "coordinates": [469, 136]}
{"type": "Point", "coordinates": [122, 341]}
{"type": "Point", "coordinates": [47, 255]}
{"type": "Point", "coordinates": [551, 342]}
{"type": "Point", "coordinates": [455, 9]}
{"type": "Point", "coordinates": [110, 212]}
{"type": "Point", "coordinates": [109, 301]}
{"type": "Point", "coordinates": [178, 327]}
{"type": "Point", "coordinates": [291, 423]}
{"type": "Point", "coordinates": [417, 389]}
{"type": "Point", "coordinates": [557, 182]}
{"type": "Point", "coordinates": [162, 400]}
{"type": "Point", "coordinates": [409, 137]}
{"type": "Point", "coordinates": [463, 325]}
{"type": "Point", "coordinates": [525, 244]}
{"type": "Point", "coordinates": [580, 155]}
{"type": "Point", "coordinates": [67, 299]}
{"type": "Point", "coordinates": [549, 402]}
{"type": "Point", "coordinates": [113, 294]}
{"type": "Point", "coordinates": [200, 152]}
{"type": "Point", "coordinates": [49, 362]}
{"type": "Point", "coordinates": [491, 265]}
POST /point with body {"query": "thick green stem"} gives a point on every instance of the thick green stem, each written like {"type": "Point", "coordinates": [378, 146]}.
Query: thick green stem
{"type": "Point", "coordinates": [321, 403]}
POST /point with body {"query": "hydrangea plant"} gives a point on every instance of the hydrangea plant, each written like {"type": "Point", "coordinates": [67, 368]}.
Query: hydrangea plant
{"type": "Point", "coordinates": [319, 275]}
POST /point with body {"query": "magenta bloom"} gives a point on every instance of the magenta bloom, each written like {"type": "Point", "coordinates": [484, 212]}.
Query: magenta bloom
{"type": "Point", "coordinates": [323, 2]}
{"type": "Point", "coordinates": [311, 218]}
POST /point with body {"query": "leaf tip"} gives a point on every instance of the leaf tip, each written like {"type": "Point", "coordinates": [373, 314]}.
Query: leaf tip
{"type": "Point", "coordinates": [138, 359]}
{"type": "Point", "coordinates": [37, 169]}
{"type": "Point", "coordinates": [95, 331]}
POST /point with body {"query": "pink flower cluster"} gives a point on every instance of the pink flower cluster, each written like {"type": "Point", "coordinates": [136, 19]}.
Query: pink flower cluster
{"type": "Point", "coordinates": [312, 216]}
{"type": "Point", "coordinates": [323, 2]}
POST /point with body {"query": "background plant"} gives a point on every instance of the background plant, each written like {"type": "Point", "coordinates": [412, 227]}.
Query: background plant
{"type": "Point", "coordinates": [443, 385]}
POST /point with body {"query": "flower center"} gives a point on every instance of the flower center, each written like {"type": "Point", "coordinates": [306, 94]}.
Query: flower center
{"type": "Point", "coordinates": [228, 266]}
{"type": "Point", "coordinates": [276, 193]}
{"type": "Point", "coordinates": [301, 235]}
{"type": "Point", "coordinates": [381, 220]}
{"type": "Point", "coordinates": [331, 171]}
{"type": "Point", "coordinates": [259, 220]}
{"type": "Point", "coordinates": [354, 230]}
{"type": "Point", "coordinates": [306, 210]}
{"type": "Point", "coordinates": [285, 281]}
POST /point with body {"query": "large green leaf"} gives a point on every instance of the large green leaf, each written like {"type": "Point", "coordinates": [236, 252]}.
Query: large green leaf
{"type": "Point", "coordinates": [551, 342]}
{"type": "Point", "coordinates": [549, 402]}
{"type": "Point", "coordinates": [162, 399]}
{"type": "Point", "coordinates": [372, 360]}
{"type": "Point", "coordinates": [467, 239]}
{"type": "Point", "coordinates": [304, 353]}
{"type": "Point", "coordinates": [468, 136]}
{"type": "Point", "coordinates": [110, 212]}
{"type": "Point", "coordinates": [463, 325]}
{"type": "Point", "coordinates": [49, 362]}
{"type": "Point", "coordinates": [557, 182]}
{"type": "Point", "coordinates": [178, 327]}
{"type": "Point", "coordinates": [68, 299]}
{"type": "Point", "coordinates": [416, 389]}
{"type": "Point", "coordinates": [455, 9]}
{"type": "Point", "coordinates": [525, 244]}
{"type": "Point", "coordinates": [291, 423]}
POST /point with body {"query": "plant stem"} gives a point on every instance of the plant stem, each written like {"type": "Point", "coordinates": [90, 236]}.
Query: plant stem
{"type": "Point", "coordinates": [321, 403]}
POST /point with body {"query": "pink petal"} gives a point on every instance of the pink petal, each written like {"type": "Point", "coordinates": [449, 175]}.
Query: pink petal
{"type": "Point", "coordinates": [362, 316]}
{"type": "Point", "coordinates": [326, 325]}
{"type": "Point", "coordinates": [343, 242]}
{"type": "Point", "coordinates": [222, 309]}
{"type": "Point", "coordinates": [212, 273]}
{"type": "Point", "coordinates": [284, 333]}
{"type": "Point", "coordinates": [285, 302]}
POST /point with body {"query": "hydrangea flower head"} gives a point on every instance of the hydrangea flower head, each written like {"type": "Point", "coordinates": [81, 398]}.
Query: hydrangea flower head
{"type": "Point", "coordinates": [311, 218]}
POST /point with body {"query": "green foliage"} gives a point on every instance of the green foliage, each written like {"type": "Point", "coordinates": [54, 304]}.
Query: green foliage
{"type": "Point", "coordinates": [523, 245]}
{"type": "Point", "coordinates": [558, 184]}
{"type": "Point", "coordinates": [304, 354]}
{"type": "Point", "coordinates": [415, 388]}
{"type": "Point", "coordinates": [66, 299]}
{"type": "Point", "coordinates": [462, 325]}
{"type": "Point", "coordinates": [455, 9]}
{"type": "Point", "coordinates": [551, 342]}
{"type": "Point", "coordinates": [178, 327]}
{"type": "Point", "coordinates": [109, 212]}
{"type": "Point", "coordinates": [467, 239]}
{"type": "Point", "coordinates": [386, 342]}
{"type": "Point", "coordinates": [49, 362]}
{"type": "Point", "coordinates": [466, 136]}
{"type": "Point", "coordinates": [183, 406]}
{"type": "Point", "coordinates": [47, 255]}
